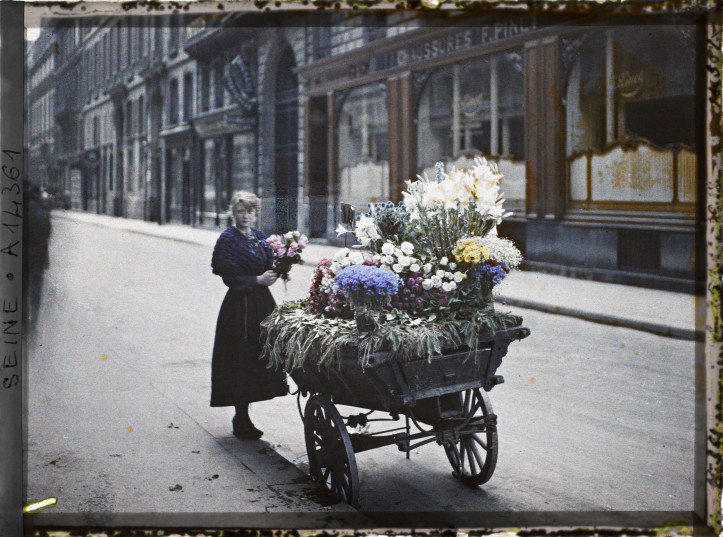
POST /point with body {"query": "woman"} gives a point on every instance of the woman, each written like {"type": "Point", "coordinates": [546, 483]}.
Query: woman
{"type": "Point", "coordinates": [243, 261]}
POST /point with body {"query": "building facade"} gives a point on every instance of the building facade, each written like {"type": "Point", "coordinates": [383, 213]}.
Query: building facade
{"type": "Point", "coordinates": [596, 127]}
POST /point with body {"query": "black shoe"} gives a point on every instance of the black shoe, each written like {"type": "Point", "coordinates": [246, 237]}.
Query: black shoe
{"type": "Point", "coordinates": [246, 430]}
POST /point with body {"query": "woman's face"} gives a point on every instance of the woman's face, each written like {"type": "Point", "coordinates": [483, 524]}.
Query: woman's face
{"type": "Point", "coordinates": [244, 217]}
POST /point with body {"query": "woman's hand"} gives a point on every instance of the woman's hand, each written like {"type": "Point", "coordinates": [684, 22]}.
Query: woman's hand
{"type": "Point", "coordinates": [267, 279]}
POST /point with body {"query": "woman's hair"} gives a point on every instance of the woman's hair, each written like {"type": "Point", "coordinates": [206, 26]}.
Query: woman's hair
{"type": "Point", "coordinates": [249, 201]}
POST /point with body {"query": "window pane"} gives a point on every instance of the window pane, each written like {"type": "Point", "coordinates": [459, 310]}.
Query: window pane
{"type": "Point", "coordinates": [476, 108]}
{"type": "Point", "coordinates": [631, 116]}
{"type": "Point", "coordinates": [363, 131]}
{"type": "Point", "coordinates": [242, 162]}
{"type": "Point", "coordinates": [209, 190]}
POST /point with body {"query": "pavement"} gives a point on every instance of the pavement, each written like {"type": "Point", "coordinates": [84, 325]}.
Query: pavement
{"type": "Point", "coordinates": [666, 313]}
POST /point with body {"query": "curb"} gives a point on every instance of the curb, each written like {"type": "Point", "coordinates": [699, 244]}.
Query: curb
{"type": "Point", "coordinates": [600, 318]}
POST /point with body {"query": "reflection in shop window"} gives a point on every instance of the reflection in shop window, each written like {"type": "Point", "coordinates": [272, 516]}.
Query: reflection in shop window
{"type": "Point", "coordinates": [209, 178]}
{"type": "Point", "coordinates": [474, 109]}
{"type": "Point", "coordinates": [242, 162]}
{"type": "Point", "coordinates": [631, 119]}
{"type": "Point", "coordinates": [363, 131]}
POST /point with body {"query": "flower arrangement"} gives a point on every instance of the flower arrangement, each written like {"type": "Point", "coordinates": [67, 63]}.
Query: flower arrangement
{"type": "Point", "coordinates": [287, 250]}
{"type": "Point", "coordinates": [434, 263]}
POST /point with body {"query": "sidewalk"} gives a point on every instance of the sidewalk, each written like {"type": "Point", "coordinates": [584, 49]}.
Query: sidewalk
{"type": "Point", "coordinates": [660, 312]}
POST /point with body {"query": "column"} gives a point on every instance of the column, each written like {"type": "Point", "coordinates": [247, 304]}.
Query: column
{"type": "Point", "coordinates": [609, 89]}
{"type": "Point", "coordinates": [494, 110]}
{"type": "Point", "coordinates": [544, 136]}
{"type": "Point", "coordinates": [331, 144]}
{"type": "Point", "coordinates": [455, 110]}
{"type": "Point", "coordinates": [366, 149]}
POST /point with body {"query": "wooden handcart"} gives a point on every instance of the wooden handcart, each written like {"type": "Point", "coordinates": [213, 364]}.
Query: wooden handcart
{"type": "Point", "coordinates": [444, 398]}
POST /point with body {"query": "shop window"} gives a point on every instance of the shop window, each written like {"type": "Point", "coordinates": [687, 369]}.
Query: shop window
{"type": "Point", "coordinates": [472, 109]}
{"type": "Point", "coordinates": [630, 114]}
{"type": "Point", "coordinates": [242, 162]}
{"type": "Point", "coordinates": [218, 85]}
{"type": "Point", "coordinates": [187, 96]}
{"type": "Point", "coordinates": [173, 105]}
{"type": "Point", "coordinates": [141, 116]}
{"type": "Point", "coordinates": [363, 130]}
{"type": "Point", "coordinates": [111, 172]}
{"type": "Point", "coordinates": [209, 178]}
{"type": "Point", "coordinates": [205, 88]}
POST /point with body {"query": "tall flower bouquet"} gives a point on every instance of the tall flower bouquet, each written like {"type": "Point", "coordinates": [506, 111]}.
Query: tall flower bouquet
{"type": "Point", "coordinates": [287, 250]}
{"type": "Point", "coordinates": [439, 240]}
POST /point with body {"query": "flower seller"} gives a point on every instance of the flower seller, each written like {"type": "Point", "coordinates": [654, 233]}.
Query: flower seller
{"type": "Point", "coordinates": [244, 261]}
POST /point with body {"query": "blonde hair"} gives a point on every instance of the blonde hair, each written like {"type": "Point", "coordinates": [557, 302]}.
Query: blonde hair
{"type": "Point", "coordinates": [249, 200]}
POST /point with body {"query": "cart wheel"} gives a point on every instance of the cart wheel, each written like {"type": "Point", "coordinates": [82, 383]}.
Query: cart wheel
{"type": "Point", "coordinates": [474, 456]}
{"type": "Point", "coordinates": [331, 456]}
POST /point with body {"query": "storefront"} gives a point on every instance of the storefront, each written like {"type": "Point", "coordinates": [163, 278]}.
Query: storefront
{"type": "Point", "coordinates": [226, 153]}
{"type": "Point", "coordinates": [595, 129]}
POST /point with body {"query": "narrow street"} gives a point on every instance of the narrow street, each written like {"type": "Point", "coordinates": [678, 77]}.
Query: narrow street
{"type": "Point", "coordinates": [590, 417]}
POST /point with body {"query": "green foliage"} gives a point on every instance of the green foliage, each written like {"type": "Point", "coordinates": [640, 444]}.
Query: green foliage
{"type": "Point", "coordinates": [295, 338]}
{"type": "Point", "coordinates": [391, 222]}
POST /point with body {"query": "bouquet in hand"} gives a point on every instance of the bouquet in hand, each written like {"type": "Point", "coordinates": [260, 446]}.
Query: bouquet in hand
{"type": "Point", "coordinates": [287, 250]}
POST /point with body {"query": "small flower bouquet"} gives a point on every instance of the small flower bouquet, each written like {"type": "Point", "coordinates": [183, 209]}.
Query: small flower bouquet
{"type": "Point", "coordinates": [368, 289]}
{"type": "Point", "coordinates": [287, 250]}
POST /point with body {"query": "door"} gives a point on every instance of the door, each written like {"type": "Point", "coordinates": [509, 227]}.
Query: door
{"type": "Point", "coordinates": [286, 146]}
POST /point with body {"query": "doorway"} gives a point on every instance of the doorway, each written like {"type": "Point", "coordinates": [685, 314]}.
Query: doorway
{"type": "Point", "coordinates": [286, 145]}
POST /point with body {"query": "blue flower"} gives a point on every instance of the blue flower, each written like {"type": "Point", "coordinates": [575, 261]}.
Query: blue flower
{"type": "Point", "coordinates": [372, 280]}
{"type": "Point", "coordinates": [496, 273]}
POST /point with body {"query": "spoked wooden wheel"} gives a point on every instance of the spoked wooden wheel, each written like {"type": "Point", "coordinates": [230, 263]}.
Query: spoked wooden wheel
{"type": "Point", "coordinates": [331, 456]}
{"type": "Point", "coordinates": [474, 455]}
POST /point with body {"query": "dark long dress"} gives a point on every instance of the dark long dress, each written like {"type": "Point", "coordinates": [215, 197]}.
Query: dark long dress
{"type": "Point", "coordinates": [237, 374]}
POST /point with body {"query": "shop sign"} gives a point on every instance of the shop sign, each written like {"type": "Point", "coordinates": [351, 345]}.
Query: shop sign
{"type": "Point", "coordinates": [461, 39]}
{"type": "Point", "coordinates": [628, 83]}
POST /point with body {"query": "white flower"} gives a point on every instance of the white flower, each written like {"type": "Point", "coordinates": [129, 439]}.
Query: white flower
{"type": "Point", "coordinates": [452, 266]}
{"type": "Point", "coordinates": [345, 262]}
{"type": "Point", "coordinates": [436, 281]}
{"type": "Point", "coordinates": [335, 267]}
{"type": "Point", "coordinates": [427, 267]}
{"type": "Point", "coordinates": [376, 257]}
{"type": "Point", "coordinates": [404, 261]}
{"type": "Point", "coordinates": [356, 258]}
{"type": "Point", "coordinates": [414, 267]}
{"type": "Point", "coordinates": [440, 274]}
{"type": "Point", "coordinates": [387, 259]}
{"type": "Point", "coordinates": [413, 260]}
{"type": "Point", "coordinates": [458, 276]}
{"type": "Point", "coordinates": [407, 248]}
{"type": "Point", "coordinates": [366, 230]}
{"type": "Point", "coordinates": [446, 286]}
{"type": "Point", "coordinates": [341, 254]}
{"type": "Point", "coordinates": [397, 267]}
{"type": "Point", "coordinates": [398, 252]}
{"type": "Point", "coordinates": [448, 275]}
{"type": "Point", "coordinates": [426, 284]}
{"type": "Point", "coordinates": [443, 261]}
{"type": "Point", "coordinates": [452, 286]}
{"type": "Point", "coordinates": [387, 248]}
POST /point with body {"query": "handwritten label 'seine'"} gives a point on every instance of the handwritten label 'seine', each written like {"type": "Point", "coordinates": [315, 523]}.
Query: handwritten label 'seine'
{"type": "Point", "coordinates": [10, 245]}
